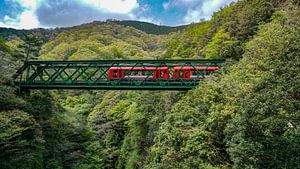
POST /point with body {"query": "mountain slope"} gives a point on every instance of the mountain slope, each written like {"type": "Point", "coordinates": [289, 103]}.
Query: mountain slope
{"type": "Point", "coordinates": [150, 28]}
{"type": "Point", "coordinates": [101, 40]}
{"type": "Point", "coordinates": [245, 116]}
{"type": "Point", "coordinates": [44, 34]}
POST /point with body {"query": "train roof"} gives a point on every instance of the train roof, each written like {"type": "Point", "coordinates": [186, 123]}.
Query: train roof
{"type": "Point", "coordinates": [138, 68]}
{"type": "Point", "coordinates": [211, 68]}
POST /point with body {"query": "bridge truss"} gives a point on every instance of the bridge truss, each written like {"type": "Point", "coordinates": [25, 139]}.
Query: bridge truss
{"type": "Point", "coordinates": [98, 74]}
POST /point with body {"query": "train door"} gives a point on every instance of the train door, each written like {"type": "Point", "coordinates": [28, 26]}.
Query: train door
{"type": "Point", "coordinates": [115, 73]}
{"type": "Point", "coordinates": [163, 74]}
{"type": "Point", "coordinates": [178, 73]}
{"type": "Point", "coordinates": [121, 73]}
{"type": "Point", "coordinates": [187, 74]}
{"type": "Point", "coordinates": [166, 74]}
{"type": "Point", "coordinates": [184, 73]}
{"type": "Point", "coordinates": [157, 73]}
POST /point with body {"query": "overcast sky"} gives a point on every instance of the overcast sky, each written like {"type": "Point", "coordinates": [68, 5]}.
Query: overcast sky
{"type": "Point", "coordinates": [27, 14]}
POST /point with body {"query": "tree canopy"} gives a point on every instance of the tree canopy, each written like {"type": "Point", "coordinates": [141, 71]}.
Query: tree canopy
{"type": "Point", "coordinates": [247, 115]}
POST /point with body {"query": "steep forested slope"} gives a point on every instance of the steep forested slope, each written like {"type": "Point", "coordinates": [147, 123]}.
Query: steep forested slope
{"type": "Point", "coordinates": [101, 40]}
{"type": "Point", "coordinates": [76, 129]}
{"type": "Point", "coordinates": [246, 116]}
{"type": "Point", "coordinates": [224, 35]}
{"type": "Point", "coordinates": [44, 34]}
{"type": "Point", "coordinates": [150, 28]}
{"type": "Point", "coordinates": [249, 117]}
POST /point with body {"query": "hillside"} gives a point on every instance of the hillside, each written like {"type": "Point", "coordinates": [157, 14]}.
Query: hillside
{"type": "Point", "coordinates": [150, 28]}
{"type": "Point", "coordinates": [44, 34]}
{"type": "Point", "coordinates": [246, 116]}
{"type": "Point", "coordinates": [101, 40]}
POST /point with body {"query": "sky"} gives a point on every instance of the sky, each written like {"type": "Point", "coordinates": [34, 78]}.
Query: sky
{"type": "Point", "coordinates": [28, 14]}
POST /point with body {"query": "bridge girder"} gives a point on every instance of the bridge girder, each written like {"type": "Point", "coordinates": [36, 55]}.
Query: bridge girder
{"type": "Point", "coordinates": [100, 74]}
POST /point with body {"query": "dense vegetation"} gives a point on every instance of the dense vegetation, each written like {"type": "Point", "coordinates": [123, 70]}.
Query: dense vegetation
{"type": "Point", "coordinates": [149, 27]}
{"type": "Point", "coordinates": [247, 116]}
{"type": "Point", "coordinates": [101, 40]}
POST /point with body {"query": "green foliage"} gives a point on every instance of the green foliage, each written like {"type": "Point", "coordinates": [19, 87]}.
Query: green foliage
{"type": "Point", "coordinates": [21, 141]}
{"type": "Point", "coordinates": [224, 35]}
{"type": "Point", "coordinates": [132, 144]}
{"type": "Point", "coordinates": [99, 40]}
{"type": "Point", "coordinates": [8, 98]}
{"type": "Point", "coordinates": [257, 137]}
{"type": "Point", "coordinates": [245, 116]}
{"type": "Point", "coordinates": [78, 104]}
{"type": "Point", "coordinates": [189, 43]}
{"type": "Point", "coordinates": [45, 34]}
{"type": "Point", "coordinates": [149, 27]}
{"type": "Point", "coordinates": [221, 46]}
{"type": "Point", "coordinates": [247, 15]}
{"type": "Point", "coordinates": [182, 140]}
{"type": "Point", "coordinates": [32, 46]}
{"type": "Point", "coordinates": [4, 47]}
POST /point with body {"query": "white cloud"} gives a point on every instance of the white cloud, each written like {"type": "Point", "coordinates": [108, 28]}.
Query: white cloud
{"type": "Point", "coordinates": [192, 16]}
{"type": "Point", "coordinates": [143, 13]}
{"type": "Point", "coordinates": [196, 9]}
{"type": "Point", "coordinates": [29, 4]}
{"type": "Point", "coordinates": [166, 5]}
{"type": "Point", "coordinates": [203, 11]}
{"type": "Point", "coordinates": [64, 13]}
{"type": "Point", "coordinates": [114, 6]}
{"type": "Point", "coordinates": [180, 3]}
{"type": "Point", "coordinates": [61, 13]}
{"type": "Point", "coordinates": [24, 20]}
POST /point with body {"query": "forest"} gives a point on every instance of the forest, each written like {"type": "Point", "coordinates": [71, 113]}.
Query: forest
{"type": "Point", "coordinates": [247, 116]}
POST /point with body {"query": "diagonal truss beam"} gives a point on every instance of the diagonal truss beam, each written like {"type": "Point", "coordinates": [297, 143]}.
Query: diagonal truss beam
{"type": "Point", "coordinates": [94, 74]}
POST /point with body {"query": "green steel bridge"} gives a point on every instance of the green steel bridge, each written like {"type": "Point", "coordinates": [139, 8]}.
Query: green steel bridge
{"type": "Point", "coordinates": [115, 74]}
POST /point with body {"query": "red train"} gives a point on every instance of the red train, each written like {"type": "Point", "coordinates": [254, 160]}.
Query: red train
{"type": "Point", "coordinates": [157, 73]}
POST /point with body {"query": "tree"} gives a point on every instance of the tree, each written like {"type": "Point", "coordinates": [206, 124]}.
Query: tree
{"type": "Point", "coordinates": [32, 46]}
{"type": "Point", "coordinates": [222, 46]}
{"type": "Point", "coordinates": [21, 141]}
{"type": "Point", "coordinates": [3, 47]}
{"type": "Point", "coordinates": [265, 133]}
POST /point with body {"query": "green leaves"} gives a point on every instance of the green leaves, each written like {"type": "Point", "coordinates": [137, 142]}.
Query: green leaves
{"type": "Point", "coordinates": [21, 140]}
{"type": "Point", "coordinates": [266, 111]}
{"type": "Point", "coordinates": [246, 118]}
{"type": "Point", "coordinates": [32, 46]}
{"type": "Point", "coordinates": [100, 41]}
{"type": "Point", "coordinates": [222, 46]}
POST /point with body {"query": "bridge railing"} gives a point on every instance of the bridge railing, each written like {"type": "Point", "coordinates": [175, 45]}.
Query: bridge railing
{"type": "Point", "coordinates": [116, 74]}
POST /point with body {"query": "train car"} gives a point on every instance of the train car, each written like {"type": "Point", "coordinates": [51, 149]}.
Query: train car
{"type": "Point", "coordinates": [188, 72]}
{"type": "Point", "coordinates": [138, 73]}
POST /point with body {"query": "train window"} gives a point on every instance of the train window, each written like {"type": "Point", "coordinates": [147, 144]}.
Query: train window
{"type": "Point", "coordinates": [181, 73]}
{"type": "Point", "coordinates": [186, 74]}
{"type": "Point", "coordinates": [115, 73]}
